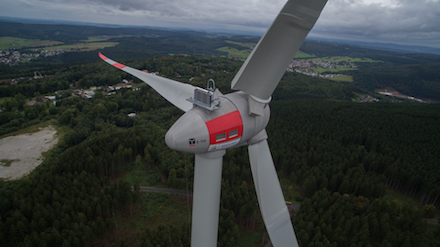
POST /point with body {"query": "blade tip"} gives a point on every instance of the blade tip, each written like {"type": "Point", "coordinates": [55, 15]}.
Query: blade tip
{"type": "Point", "coordinates": [102, 56]}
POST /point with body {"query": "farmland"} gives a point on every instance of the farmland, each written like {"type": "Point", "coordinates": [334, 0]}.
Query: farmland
{"type": "Point", "coordinates": [15, 51]}
{"type": "Point", "coordinates": [19, 43]}
{"type": "Point", "coordinates": [345, 59]}
{"type": "Point", "coordinates": [88, 46]}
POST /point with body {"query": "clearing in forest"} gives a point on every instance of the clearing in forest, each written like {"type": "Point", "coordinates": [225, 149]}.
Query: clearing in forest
{"type": "Point", "coordinates": [21, 154]}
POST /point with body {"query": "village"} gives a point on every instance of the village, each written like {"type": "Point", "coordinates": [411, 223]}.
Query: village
{"type": "Point", "coordinates": [84, 93]}
{"type": "Point", "coordinates": [307, 67]}
{"type": "Point", "coordinates": [13, 57]}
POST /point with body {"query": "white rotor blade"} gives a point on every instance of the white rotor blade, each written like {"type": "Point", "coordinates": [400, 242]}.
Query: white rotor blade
{"type": "Point", "coordinates": [206, 201]}
{"type": "Point", "coordinates": [270, 197]}
{"type": "Point", "coordinates": [173, 91]}
{"type": "Point", "coordinates": [263, 69]}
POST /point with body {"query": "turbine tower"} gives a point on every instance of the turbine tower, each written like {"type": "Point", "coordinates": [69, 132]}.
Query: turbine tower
{"type": "Point", "coordinates": [213, 123]}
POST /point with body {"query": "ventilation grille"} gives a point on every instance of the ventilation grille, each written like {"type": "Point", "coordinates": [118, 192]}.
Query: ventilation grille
{"type": "Point", "coordinates": [204, 97]}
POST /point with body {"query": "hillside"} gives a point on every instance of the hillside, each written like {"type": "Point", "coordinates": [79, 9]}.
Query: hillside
{"type": "Point", "coordinates": [410, 74]}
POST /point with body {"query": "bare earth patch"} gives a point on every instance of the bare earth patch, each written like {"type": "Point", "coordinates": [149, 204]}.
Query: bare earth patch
{"type": "Point", "coordinates": [20, 154]}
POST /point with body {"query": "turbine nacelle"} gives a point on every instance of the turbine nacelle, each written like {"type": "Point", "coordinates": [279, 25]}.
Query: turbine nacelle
{"type": "Point", "coordinates": [234, 123]}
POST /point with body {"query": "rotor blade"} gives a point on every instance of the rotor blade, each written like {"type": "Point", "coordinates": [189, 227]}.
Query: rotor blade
{"type": "Point", "coordinates": [206, 200]}
{"type": "Point", "coordinates": [267, 63]}
{"type": "Point", "coordinates": [173, 91]}
{"type": "Point", "coordinates": [270, 197]}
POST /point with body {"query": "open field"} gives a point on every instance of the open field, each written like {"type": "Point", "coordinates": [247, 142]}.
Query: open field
{"type": "Point", "coordinates": [247, 45]}
{"type": "Point", "coordinates": [20, 154]}
{"type": "Point", "coordinates": [235, 53]}
{"type": "Point", "coordinates": [90, 46]}
{"type": "Point", "coordinates": [339, 59]}
{"type": "Point", "coordinates": [333, 70]}
{"type": "Point", "coordinates": [243, 54]}
{"type": "Point", "coordinates": [98, 38]}
{"type": "Point", "coordinates": [5, 99]}
{"type": "Point", "coordinates": [343, 78]}
{"type": "Point", "coordinates": [301, 55]}
{"type": "Point", "coordinates": [18, 43]}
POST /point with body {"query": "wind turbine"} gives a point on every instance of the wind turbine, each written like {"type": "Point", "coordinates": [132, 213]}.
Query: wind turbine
{"type": "Point", "coordinates": [214, 122]}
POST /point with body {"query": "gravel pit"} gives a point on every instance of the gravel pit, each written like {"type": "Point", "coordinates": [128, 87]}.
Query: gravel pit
{"type": "Point", "coordinates": [21, 154]}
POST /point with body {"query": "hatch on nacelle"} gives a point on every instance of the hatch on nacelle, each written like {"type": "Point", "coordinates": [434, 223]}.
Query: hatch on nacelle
{"type": "Point", "coordinates": [205, 98]}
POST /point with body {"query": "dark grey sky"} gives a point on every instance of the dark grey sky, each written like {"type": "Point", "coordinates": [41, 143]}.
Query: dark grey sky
{"type": "Point", "coordinates": [411, 22]}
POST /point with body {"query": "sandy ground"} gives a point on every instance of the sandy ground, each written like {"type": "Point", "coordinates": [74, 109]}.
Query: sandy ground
{"type": "Point", "coordinates": [25, 151]}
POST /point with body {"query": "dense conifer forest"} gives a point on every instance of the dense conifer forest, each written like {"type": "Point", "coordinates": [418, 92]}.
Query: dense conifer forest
{"type": "Point", "coordinates": [340, 159]}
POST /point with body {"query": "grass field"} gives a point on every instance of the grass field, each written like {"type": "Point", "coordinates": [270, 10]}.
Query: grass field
{"type": "Point", "coordinates": [301, 55]}
{"type": "Point", "coordinates": [235, 53]}
{"type": "Point", "coordinates": [91, 46]}
{"type": "Point", "coordinates": [5, 99]}
{"type": "Point", "coordinates": [247, 44]}
{"type": "Point", "coordinates": [243, 54]}
{"type": "Point", "coordinates": [343, 78]}
{"type": "Point", "coordinates": [18, 43]}
{"type": "Point", "coordinates": [339, 59]}
{"type": "Point", "coordinates": [332, 70]}
{"type": "Point", "coordinates": [104, 38]}
{"type": "Point", "coordinates": [97, 38]}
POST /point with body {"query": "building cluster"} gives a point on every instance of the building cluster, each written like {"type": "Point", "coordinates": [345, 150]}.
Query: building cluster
{"type": "Point", "coordinates": [367, 99]}
{"type": "Point", "coordinates": [84, 93]}
{"type": "Point", "coordinates": [402, 96]}
{"type": "Point", "coordinates": [307, 67]}
{"type": "Point", "coordinates": [13, 57]}
{"type": "Point", "coordinates": [312, 73]}
{"type": "Point", "coordinates": [106, 90]}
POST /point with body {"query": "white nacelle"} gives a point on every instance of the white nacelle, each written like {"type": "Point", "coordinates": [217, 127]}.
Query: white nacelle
{"type": "Point", "coordinates": [232, 125]}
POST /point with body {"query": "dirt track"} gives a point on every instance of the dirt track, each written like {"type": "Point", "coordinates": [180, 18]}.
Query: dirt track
{"type": "Point", "coordinates": [25, 152]}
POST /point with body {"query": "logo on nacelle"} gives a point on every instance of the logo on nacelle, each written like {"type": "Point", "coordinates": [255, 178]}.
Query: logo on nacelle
{"type": "Point", "coordinates": [192, 142]}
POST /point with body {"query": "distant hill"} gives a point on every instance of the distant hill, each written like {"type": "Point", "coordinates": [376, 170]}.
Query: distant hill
{"type": "Point", "coordinates": [412, 74]}
{"type": "Point", "coordinates": [385, 46]}
{"type": "Point", "coordinates": [226, 32]}
{"type": "Point", "coordinates": [72, 32]}
{"type": "Point", "coordinates": [328, 49]}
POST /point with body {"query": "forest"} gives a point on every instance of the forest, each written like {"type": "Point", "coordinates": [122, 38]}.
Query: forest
{"type": "Point", "coordinates": [348, 164]}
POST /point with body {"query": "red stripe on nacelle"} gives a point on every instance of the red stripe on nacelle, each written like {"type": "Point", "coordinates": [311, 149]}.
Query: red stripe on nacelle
{"type": "Point", "coordinates": [223, 125]}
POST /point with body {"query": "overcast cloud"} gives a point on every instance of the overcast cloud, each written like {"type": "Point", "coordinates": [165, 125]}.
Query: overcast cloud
{"type": "Point", "coordinates": [413, 22]}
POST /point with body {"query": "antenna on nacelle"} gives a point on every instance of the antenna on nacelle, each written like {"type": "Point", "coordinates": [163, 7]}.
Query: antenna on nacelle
{"type": "Point", "coordinates": [212, 88]}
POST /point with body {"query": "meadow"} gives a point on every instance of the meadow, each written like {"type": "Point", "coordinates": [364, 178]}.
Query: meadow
{"type": "Point", "coordinates": [20, 43]}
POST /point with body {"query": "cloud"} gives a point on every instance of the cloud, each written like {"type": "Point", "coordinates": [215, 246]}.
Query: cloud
{"type": "Point", "coordinates": [402, 21]}
{"type": "Point", "coordinates": [394, 20]}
